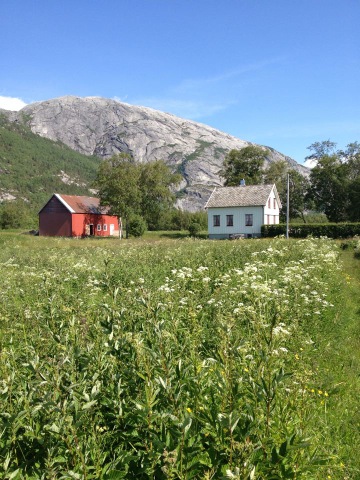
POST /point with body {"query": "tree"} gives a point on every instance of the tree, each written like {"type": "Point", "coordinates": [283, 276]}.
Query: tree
{"type": "Point", "coordinates": [118, 186]}
{"type": "Point", "coordinates": [328, 189]}
{"type": "Point", "coordinates": [131, 188]}
{"type": "Point", "coordinates": [156, 197]}
{"type": "Point", "coordinates": [335, 180]}
{"type": "Point", "coordinates": [245, 164]}
{"type": "Point", "coordinates": [277, 173]}
{"type": "Point", "coordinates": [16, 214]}
{"type": "Point", "coordinates": [321, 149]}
{"type": "Point", "coordinates": [354, 200]}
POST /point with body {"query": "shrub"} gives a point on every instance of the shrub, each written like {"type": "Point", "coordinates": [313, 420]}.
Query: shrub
{"type": "Point", "coordinates": [194, 229]}
{"type": "Point", "coordinates": [137, 226]}
{"type": "Point", "coordinates": [357, 249]}
{"type": "Point", "coordinates": [330, 230]}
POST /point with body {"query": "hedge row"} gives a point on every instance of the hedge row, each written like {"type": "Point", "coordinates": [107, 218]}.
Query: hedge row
{"type": "Point", "coordinates": [331, 230]}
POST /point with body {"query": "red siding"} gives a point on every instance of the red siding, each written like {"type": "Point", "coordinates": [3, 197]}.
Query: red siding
{"type": "Point", "coordinates": [56, 220]}
{"type": "Point", "coordinates": [81, 223]}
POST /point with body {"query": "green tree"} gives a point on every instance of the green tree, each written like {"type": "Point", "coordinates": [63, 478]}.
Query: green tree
{"type": "Point", "coordinates": [277, 173]}
{"type": "Point", "coordinates": [118, 187]}
{"type": "Point", "coordinates": [131, 189]}
{"type": "Point", "coordinates": [16, 214]}
{"type": "Point", "coordinates": [246, 163]}
{"type": "Point", "coordinates": [322, 149]}
{"type": "Point", "coordinates": [354, 200]}
{"type": "Point", "coordinates": [329, 188]}
{"type": "Point", "coordinates": [156, 197]}
{"type": "Point", "coordinates": [352, 158]}
{"type": "Point", "coordinates": [335, 180]}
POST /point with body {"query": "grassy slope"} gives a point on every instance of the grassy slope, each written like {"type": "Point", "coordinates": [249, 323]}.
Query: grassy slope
{"type": "Point", "coordinates": [30, 165]}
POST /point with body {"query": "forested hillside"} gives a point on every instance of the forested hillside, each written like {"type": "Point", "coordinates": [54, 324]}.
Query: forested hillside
{"type": "Point", "coordinates": [32, 167]}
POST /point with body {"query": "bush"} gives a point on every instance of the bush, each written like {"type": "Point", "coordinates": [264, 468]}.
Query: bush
{"type": "Point", "coordinates": [194, 229]}
{"type": "Point", "coordinates": [330, 230]}
{"type": "Point", "coordinates": [16, 214]}
{"type": "Point", "coordinates": [137, 226]}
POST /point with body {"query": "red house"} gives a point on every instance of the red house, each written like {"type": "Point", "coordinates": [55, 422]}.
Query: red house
{"type": "Point", "coordinates": [74, 216]}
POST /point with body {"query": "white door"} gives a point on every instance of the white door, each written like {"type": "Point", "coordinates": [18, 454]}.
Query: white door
{"type": "Point", "coordinates": [111, 228]}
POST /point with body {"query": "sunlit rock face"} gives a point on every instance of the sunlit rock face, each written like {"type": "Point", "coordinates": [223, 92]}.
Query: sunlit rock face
{"type": "Point", "coordinates": [103, 127]}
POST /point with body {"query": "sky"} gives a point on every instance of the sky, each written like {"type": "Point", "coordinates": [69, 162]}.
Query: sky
{"type": "Point", "coordinates": [280, 73]}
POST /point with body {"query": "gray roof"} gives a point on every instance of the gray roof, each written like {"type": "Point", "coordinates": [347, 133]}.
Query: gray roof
{"type": "Point", "coordinates": [241, 196]}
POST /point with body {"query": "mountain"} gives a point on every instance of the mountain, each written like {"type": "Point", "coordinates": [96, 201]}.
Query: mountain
{"type": "Point", "coordinates": [102, 127]}
{"type": "Point", "coordinates": [32, 168]}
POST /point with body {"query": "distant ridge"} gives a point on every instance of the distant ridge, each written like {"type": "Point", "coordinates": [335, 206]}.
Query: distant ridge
{"type": "Point", "coordinates": [104, 127]}
{"type": "Point", "coordinates": [32, 168]}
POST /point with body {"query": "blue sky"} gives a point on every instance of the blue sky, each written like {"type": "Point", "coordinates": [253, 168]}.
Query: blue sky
{"type": "Point", "coordinates": [282, 73]}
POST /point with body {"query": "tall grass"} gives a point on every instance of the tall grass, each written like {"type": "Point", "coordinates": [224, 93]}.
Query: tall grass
{"type": "Point", "coordinates": [170, 360]}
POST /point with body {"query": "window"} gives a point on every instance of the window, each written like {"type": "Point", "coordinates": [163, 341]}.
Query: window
{"type": "Point", "coordinates": [105, 228]}
{"type": "Point", "coordinates": [269, 202]}
{"type": "Point", "coordinates": [248, 219]}
{"type": "Point", "coordinates": [274, 205]}
{"type": "Point", "coordinates": [229, 220]}
{"type": "Point", "coordinates": [216, 220]}
{"type": "Point", "coordinates": [98, 227]}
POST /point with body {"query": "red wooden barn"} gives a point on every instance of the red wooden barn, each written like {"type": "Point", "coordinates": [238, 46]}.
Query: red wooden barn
{"type": "Point", "coordinates": [74, 216]}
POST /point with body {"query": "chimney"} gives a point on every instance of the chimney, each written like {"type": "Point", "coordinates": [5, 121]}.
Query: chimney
{"type": "Point", "coordinates": [242, 183]}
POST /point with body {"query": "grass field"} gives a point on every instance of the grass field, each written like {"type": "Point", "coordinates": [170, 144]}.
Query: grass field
{"type": "Point", "coordinates": [173, 358]}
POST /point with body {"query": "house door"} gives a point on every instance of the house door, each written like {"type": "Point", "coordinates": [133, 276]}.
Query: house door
{"type": "Point", "coordinates": [91, 229]}
{"type": "Point", "coordinates": [111, 228]}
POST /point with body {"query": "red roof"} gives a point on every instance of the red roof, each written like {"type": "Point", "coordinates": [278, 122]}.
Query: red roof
{"type": "Point", "coordinates": [80, 204]}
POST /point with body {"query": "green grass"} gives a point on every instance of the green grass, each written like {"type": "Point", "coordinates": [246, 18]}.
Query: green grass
{"type": "Point", "coordinates": [338, 366]}
{"type": "Point", "coordinates": [174, 358]}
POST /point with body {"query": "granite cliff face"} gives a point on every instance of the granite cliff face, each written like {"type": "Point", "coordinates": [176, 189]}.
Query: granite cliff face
{"type": "Point", "coordinates": [103, 127]}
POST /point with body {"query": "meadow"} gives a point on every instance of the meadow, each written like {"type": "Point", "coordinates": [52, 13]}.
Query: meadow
{"type": "Point", "coordinates": [165, 358]}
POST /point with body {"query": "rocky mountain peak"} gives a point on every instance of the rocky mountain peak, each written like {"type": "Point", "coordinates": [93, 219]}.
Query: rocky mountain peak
{"type": "Point", "coordinates": [104, 127]}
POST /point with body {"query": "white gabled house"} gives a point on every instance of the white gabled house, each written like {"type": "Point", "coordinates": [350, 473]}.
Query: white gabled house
{"type": "Point", "coordinates": [241, 210]}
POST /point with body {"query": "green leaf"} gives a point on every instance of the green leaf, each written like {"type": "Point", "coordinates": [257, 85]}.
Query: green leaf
{"type": "Point", "coordinates": [88, 405]}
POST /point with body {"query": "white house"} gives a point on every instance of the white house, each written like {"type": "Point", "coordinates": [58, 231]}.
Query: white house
{"type": "Point", "coordinates": [241, 210]}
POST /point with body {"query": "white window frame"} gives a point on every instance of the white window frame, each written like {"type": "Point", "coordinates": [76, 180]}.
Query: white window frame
{"type": "Point", "coordinates": [105, 227]}
{"type": "Point", "coordinates": [230, 220]}
{"type": "Point", "coordinates": [98, 227]}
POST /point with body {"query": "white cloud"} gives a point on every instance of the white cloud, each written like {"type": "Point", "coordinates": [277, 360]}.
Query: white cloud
{"type": "Point", "coordinates": [200, 98]}
{"type": "Point", "coordinates": [190, 109]}
{"type": "Point", "coordinates": [192, 85]}
{"type": "Point", "coordinates": [310, 163]}
{"type": "Point", "coordinates": [11, 103]}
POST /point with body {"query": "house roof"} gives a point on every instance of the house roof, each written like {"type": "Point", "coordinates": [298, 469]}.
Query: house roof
{"type": "Point", "coordinates": [81, 204]}
{"type": "Point", "coordinates": [241, 196]}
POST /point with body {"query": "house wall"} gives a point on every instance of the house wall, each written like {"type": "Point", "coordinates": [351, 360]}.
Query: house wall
{"type": "Point", "coordinates": [271, 211]}
{"type": "Point", "coordinates": [239, 226]}
{"type": "Point", "coordinates": [81, 225]}
{"type": "Point", "coordinates": [54, 220]}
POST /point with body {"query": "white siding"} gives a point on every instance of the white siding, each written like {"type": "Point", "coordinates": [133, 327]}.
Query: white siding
{"type": "Point", "coordinates": [272, 213]}
{"type": "Point", "coordinates": [239, 221]}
